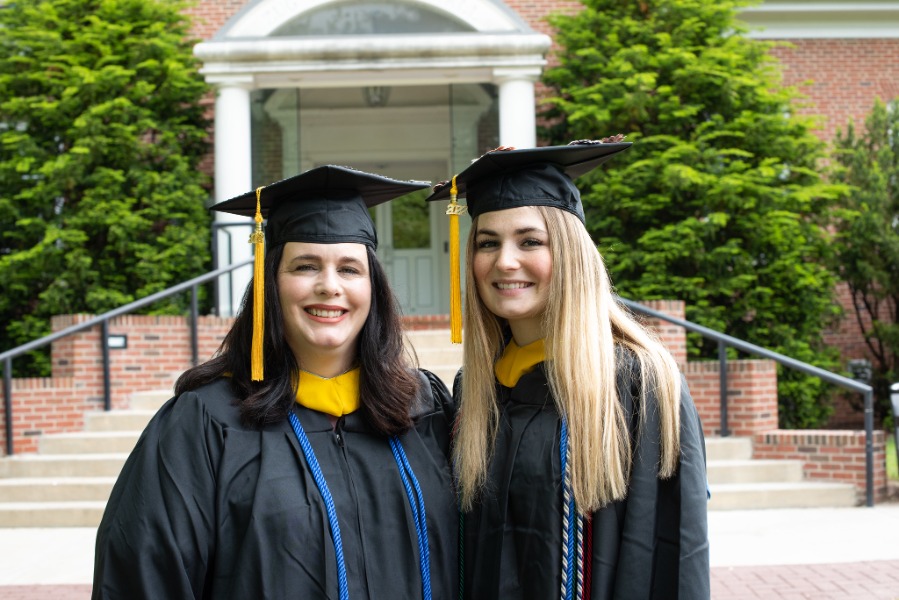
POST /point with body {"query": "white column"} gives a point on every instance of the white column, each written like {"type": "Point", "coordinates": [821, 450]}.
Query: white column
{"type": "Point", "coordinates": [517, 107]}
{"type": "Point", "coordinates": [233, 176]}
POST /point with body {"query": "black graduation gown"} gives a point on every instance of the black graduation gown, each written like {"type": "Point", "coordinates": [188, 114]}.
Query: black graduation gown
{"type": "Point", "coordinates": [208, 508]}
{"type": "Point", "coordinates": [651, 545]}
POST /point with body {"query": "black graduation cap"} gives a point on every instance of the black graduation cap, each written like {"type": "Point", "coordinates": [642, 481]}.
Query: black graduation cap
{"type": "Point", "coordinates": [325, 205]}
{"type": "Point", "coordinates": [509, 178]}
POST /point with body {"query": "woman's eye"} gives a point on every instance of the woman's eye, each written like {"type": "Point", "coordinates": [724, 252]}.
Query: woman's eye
{"type": "Point", "coordinates": [349, 270]}
{"type": "Point", "coordinates": [305, 267]}
{"type": "Point", "coordinates": [532, 242]}
{"type": "Point", "coordinates": [483, 244]}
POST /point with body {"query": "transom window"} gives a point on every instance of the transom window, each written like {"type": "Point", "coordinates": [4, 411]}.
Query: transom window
{"type": "Point", "coordinates": [369, 18]}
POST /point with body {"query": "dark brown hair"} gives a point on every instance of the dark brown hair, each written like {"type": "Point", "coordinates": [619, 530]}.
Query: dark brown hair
{"type": "Point", "coordinates": [388, 385]}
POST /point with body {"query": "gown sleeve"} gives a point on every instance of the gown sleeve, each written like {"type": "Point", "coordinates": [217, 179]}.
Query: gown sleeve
{"type": "Point", "coordinates": [157, 534]}
{"type": "Point", "coordinates": [663, 537]}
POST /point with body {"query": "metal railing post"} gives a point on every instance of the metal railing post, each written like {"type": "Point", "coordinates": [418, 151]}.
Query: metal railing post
{"type": "Point", "coordinates": [104, 343]}
{"type": "Point", "coordinates": [194, 317]}
{"type": "Point", "coordinates": [722, 386]}
{"type": "Point", "coordinates": [869, 448]}
{"type": "Point", "coordinates": [7, 403]}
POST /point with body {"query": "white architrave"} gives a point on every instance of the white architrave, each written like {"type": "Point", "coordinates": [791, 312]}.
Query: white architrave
{"type": "Point", "coordinates": [791, 19]}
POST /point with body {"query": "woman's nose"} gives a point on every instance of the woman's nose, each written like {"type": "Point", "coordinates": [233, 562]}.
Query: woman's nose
{"type": "Point", "coordinates": [507, 258]}
{"type": "Point", "coordinates": [327, 284]}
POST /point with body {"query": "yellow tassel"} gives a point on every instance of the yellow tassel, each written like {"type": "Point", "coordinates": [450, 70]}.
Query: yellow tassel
{"type": "Point", "coordinates": [257, 238]}
{"type": "Point", "coordinates": [454, 210]}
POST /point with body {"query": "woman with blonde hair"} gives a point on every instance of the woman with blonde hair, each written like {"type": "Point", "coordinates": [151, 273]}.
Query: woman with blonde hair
{"type": "Point", "coordinates": [579, 454]}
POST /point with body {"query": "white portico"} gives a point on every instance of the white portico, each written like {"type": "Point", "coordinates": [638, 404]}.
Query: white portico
{"type": "Point", "coordinates": [413, 90]}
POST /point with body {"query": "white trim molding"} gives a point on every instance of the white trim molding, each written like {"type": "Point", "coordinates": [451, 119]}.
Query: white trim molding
{"type": "Point", "coordinates": [372, 59]}
{"type": "Point", "coordinates": [785, 19]}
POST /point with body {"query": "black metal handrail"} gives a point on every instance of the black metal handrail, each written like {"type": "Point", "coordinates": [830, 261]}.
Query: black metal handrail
{"type": "Point", "coordinates": [103, 321]}
{"type": "Point", "coordinates": [725, 340]}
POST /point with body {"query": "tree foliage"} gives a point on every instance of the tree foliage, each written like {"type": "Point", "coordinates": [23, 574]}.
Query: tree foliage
{"type": "Point", "coordinates": [101, 132]}
{"type": "Point", "coordinates": [719, 202]}
{"type": "Point", "coordinates": [867, 256]}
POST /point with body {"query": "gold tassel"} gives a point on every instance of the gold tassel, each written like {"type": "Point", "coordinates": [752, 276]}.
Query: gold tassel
{"type": "Point", "coordinates": [454, 210]}
{"type": "Point", "coordinates": [257, 238]}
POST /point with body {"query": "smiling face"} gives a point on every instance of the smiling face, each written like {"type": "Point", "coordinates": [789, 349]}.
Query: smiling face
{"type": "Point", "coordinates": [325, 295]}
{"type": "Point", "coordinates": [512, 267]}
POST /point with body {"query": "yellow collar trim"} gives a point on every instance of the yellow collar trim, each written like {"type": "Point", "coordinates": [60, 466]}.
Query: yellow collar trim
{"type": "Point", "coordinates": [336, 396]}
{"type": "Point", "coordinates": [516, 361]}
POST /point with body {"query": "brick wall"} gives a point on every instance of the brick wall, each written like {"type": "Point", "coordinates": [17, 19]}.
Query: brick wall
{"type": "Point", "coordinates": [841, 77]}
{"type": "Point", "coordinates": [828, 455]}
{"type": "Point", "coordinates": [751, 396]}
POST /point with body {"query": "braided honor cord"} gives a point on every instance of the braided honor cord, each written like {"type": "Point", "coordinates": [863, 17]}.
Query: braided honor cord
{"type": "Point", "coordinates": [312, 462]}
{"type": "Point", "coordinates": [418, 513]}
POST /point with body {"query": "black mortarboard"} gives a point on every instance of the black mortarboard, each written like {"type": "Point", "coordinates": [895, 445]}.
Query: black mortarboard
{"type": "Point", "coordinates": [508, 178]}
{"type": "Point", "coordinates": [544, 176]}
{"type": "Point", "coordinates": [324, 205]}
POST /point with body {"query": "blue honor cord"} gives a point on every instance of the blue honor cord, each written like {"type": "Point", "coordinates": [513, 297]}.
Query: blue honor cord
{"type": "Point", "coordinates": [413, 493]}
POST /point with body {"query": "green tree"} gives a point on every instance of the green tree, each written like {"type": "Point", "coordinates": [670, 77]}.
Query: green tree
{"type": "Point", "coordinates": [101, 132]}
{"type": "Point", "coordinates": [867, 256]}
{"type": "Point", "coordinates": [719, 202]}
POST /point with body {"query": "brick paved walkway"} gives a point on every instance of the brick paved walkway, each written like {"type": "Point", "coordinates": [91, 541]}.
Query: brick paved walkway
{"type": "Point", "coordinates": [877, 580]}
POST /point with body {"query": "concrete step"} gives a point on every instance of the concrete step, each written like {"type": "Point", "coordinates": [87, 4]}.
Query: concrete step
{"type": "Point", "coordinates": [728, 448]}
{"type": "Point", "coordinates": [749, 496]}
{"type": "Point", "coordinates": [88, 442]}
{"type": "Point", "coordinates": [62, 465]}
{"type": "Point", "coordinates": [439, 356]}
{"type": "Point", "coordinates": [55, 489]}
{"type": "Point", "coordinates": [754, 471]}
{"type": "Point", "coordinates": [117, 420]}
{"type": "Point", "coordinates": [51, 514]}
{"type": "Point", "coordinates": [150, 399]}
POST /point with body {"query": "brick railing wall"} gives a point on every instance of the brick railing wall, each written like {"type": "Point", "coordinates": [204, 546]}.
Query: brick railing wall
{"type": "Point", "coordinates": [827, 455]}
{"type": "Point", "coordinates": [752, 395]}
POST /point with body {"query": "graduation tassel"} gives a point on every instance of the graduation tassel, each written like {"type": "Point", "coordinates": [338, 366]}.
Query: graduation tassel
{"type": "Point", "coordinates": [454, 210]}
{"type": "Point", "coordinates": [257, 238]}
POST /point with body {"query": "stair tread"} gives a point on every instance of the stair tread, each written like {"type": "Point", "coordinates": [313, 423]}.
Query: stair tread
{"type": "Point", "coordinates": [742, 462]}
{"type": "Point", "coordinates": [11, 481]}
{"type": "Point", "coordinates": [71, 504]}
{"type": "Point", "coordinates": [779, 485]}
{"type": "Point", "coordinates": [119, 433]}
{"type": "Point", "coordinates": [52, 457]}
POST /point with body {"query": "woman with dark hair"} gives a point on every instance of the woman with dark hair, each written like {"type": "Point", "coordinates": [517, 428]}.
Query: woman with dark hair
{"type": "Point", "coordinates": [579, 454]}
{"type": "Point", "coordinates": [307, 459]}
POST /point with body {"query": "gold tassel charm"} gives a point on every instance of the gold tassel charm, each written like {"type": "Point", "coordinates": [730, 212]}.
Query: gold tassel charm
{"type": "Point", "coordinates": [257, 238]}
{"type": "Point", "coordinates": [454, 210]}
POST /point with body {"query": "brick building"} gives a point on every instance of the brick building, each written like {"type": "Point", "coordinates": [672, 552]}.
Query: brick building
{"type": "Point", "coordinates": [311, 82]}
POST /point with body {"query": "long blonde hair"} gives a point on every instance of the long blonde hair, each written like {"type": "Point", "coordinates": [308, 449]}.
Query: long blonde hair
{"type": "Point", "coordinates": [583, 323]}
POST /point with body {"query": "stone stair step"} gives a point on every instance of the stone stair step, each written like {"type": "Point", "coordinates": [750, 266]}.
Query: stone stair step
{"type": "Point", "coordinates": [728, 448]}
{"type": "Point", "coordinates": [117, 420]}
{"type": "Point", "coordinates": [749, 496]}
{"type": "Point", "coordinates": [88, 442]}
{"type": "Point", "coordinates": [62, 465]}
{"type": "Point", "coordinates": [754, 471]}
{"type": "Point", "coordinates": [51, 514]}
{"type": "Point", "coordinates": [55, 489]}
{"type": "Point", "coordinates": [149, 399]}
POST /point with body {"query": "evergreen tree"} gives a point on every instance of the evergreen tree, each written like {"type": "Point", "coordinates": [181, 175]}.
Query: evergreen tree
{"type": "Point", "coordinates": [867, 256]}
{"type": "Point", "coordinates": [102, 129]}
{"type": "Point", "coordinates": [719, 203]}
